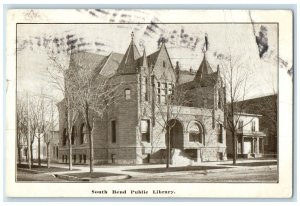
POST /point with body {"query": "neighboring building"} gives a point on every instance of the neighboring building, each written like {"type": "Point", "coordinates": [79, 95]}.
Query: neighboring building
{"type": "Point", "coordinates": [54, 143]}
{"type": "Point", "coordinates": [267, 107]}
{"type": "Point", "coordinates": [132, 133]}
{"type": "Point", "coordinates": [250, 140]}
{"type": "Point", "coordinates": [21, 149]}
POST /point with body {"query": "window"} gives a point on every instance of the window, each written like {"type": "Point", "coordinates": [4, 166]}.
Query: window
{"type": "Point", "coordinates": [145, 88]}
{"type": "Point", "coordinates": [163, 90]}
{"type": "Point", "coordinates": [113, 132]}
{"type": "Point", "coordinates": [80, 158]}
{"type": "Point", "coordinates": [65, 137]}
{"type": "Point", "coordinates": [145, 130]}
{"type": "Point", "coordinates": [83, 134]}
{"type": "Point", "coordinates": [84, 158]}
{"type": "Point", "coordinates": [170, 89]}
{"type": "Point", "coordinates": [220, 133]}
{"type": "Point", "coordinates": [73, 135]}
{"type": "Point", "coordinates": [195, 133]}
{"type": "Point", "coordinates": [164, 64]}
{"type": "Point", "coordinates": [74, 158]}
{"type": "Point", "coordinates": [127, 94]}
{"type": "Point", "coordinates": [56, 152]}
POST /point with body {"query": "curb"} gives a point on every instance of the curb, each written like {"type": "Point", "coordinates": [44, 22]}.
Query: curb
{"type": "Point", "coordinates": [108, 178]}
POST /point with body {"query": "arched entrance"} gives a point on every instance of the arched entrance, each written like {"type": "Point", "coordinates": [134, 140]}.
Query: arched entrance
{"type": "Point", "coordinates": [176, 134]}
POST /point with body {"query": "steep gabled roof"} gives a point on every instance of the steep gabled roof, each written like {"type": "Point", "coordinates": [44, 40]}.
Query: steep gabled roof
{"type": "Point", "coordinates": [112, 64]}
{"type": "Point", "coordinates": [86, 60]}
{"type": "Point", "coordinates": [204, 69]}
{"type": "Point", "coordinates": [95, 63]}
{"type": "Point", "coordinates": [129, 64]}
{"type": "Point", "coordinates": [152, 58]}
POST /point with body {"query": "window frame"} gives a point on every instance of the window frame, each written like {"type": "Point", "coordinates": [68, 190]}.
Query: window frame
{"type": "Point", "coordinates": [127, 95]}
{"type": "Point", "coordinates": [113, 127]}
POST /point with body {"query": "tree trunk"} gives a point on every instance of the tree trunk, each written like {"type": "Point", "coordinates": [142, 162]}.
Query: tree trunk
{"type": "Point", "coordinates": [48, 155]}
{"type": "Point", "coordinates": [19, 155]}
{"type": "Point", "coordinates": [91, 151]}
{"type": "Point", "coordinates": [70, 156]}
{"type": "Point", "coordinates": [168, 148]}
{"type": "Point", "coordinates": [31, 153]}
{"type": "Point", "coordinates": [39, 151]}
{"type": "Point", "coordinates": [234, 144]}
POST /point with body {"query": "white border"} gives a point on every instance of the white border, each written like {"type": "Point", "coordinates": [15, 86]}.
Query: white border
{"type": "Point", "coordinates": [251, 190]}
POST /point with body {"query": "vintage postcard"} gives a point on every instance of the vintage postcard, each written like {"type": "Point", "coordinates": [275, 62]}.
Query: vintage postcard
{"type": "Point", "coordinates": [149, 103]}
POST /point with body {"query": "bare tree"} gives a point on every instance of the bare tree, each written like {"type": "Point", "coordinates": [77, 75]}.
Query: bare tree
{"type": "Point", "coordinates": [235, 78]}
{"type": "Point", "coordinates": [21, 126]}
{"type": "Point", "coordinates": [60, 76]}
{"type": "Point", "coordinates": [50, 124]}
{"type": "Point", "coordinates": [93, 95]}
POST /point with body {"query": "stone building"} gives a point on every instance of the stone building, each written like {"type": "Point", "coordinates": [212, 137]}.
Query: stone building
{"type": "Point", "coordinates": [250, 140]}
{"type": "Point", "coordinates": [134, 131]}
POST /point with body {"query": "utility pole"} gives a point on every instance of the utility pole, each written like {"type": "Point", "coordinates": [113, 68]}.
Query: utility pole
{"type": "Point", "coordinates": [28, 135]}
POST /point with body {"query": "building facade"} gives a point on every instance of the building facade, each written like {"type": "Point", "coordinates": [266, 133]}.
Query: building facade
{"type": "Point", "coordinates": [267, 107]}
{"type": "Point", "coordinates": [250, 140]}
{"type": "Point", "coordinates": [135, 130]}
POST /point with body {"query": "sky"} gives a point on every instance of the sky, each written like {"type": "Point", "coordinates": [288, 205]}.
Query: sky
{"type": "Point", "coordinates": [183, 41]}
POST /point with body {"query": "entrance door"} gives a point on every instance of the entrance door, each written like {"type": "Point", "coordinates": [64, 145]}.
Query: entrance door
{"type": "Point", "coordinates": [176, 134]}
{"type": "Point", "coordinates": [247, 146]}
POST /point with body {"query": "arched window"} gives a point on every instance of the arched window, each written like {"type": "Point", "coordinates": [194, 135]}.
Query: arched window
{"type": "Point", "coordinates": [64, 137]}
{"type": "Point", "coordinates": [73, 135]}
{"type": "Point", "coordinates": [196, 133]}
{"type": "Point", "coordinates": [83, 134]}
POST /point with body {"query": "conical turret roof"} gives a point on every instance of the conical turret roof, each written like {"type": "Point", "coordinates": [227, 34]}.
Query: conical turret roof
{"type": "Point", "coordinates": [129, 62]}
{"type": "Point", "coordinates": [204, 69]}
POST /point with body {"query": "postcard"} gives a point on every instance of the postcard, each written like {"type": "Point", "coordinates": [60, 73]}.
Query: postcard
{"type": "Point", "coordinates": [149, 103]}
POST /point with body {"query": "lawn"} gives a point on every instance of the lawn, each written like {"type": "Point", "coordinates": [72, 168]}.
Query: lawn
{"type": "Point", "coordinates": [43, 169]}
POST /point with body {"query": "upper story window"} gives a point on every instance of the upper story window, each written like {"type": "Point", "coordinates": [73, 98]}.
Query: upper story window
{"type": "Point", "coordinates": [145, 88]}
{"type": "Point", "coordinates": [127, 94]}
{"type": "Point", "coordinates": [163, 90]}
{"type": "Point", "coordinates": [164, 64]}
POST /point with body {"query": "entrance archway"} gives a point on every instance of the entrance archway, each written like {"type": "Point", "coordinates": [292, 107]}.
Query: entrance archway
{"type": "Point", "coordinates": [176, 134]}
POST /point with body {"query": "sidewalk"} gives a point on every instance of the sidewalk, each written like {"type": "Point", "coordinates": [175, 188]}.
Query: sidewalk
{"type": "Point", "coordinates": [151, 170]}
